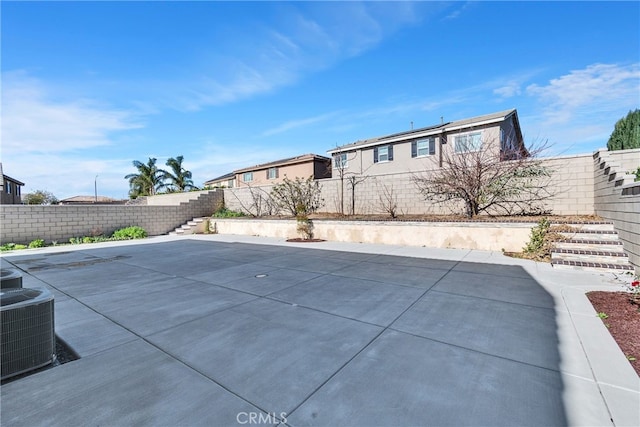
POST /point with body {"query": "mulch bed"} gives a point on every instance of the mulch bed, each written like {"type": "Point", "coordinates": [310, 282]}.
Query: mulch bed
{"type": "Point", "coordinates": [623, 322]}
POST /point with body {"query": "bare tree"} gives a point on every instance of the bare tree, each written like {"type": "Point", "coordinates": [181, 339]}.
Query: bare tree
{"type": "Point", "coordinates": [260, 202]}
{"type": "Point", "coordinates": [341, 161]}
{"type": "Point", "coordinates": [388, 200]}
{"type": "Point", "coordinates": [353, 181]}
{"type": "Point", "coordinates": [490, 180]}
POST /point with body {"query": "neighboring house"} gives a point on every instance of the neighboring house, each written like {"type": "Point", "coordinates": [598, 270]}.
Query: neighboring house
{"type": "Point", "coordinates": [91, 200]}
{"type": "Point", "coordinates": [224, 181]}
{"type": "Point", "coordinates": [423, 149]}
{"type": "Point", "coordinates": [10, 189]}
{"type": "Point", "coordinates": [305, 166]}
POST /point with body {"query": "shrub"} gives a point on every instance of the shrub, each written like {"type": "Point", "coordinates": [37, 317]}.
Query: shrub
{"type": "Point", "coordinates": [538, 233]}
{"type": "Point", "coordinates": [224, 212]}
{"type": "Point", "coordinates": [133, 232]}
{"type": "Point", "coordinates": [11, 247]}
{"type": "Point", "coordinates": [38, 243]}
{"type": "Point", "coordinates": [298, 197]}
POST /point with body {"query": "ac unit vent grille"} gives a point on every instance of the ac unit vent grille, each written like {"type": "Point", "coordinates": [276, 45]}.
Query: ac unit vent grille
{"type": "Point", "coordinates": [28, 337]}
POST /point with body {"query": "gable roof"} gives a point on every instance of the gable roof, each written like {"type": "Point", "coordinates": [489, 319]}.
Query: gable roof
{"type": "Point", "coordinates": [87, 199]}
{"type": "Point", "coordinates": [224, 177]}
{"type": "Point", "coordinates": [285, 162]}
{"type": "Point", "coordinates": [429, 130]}
{"type": "Point", "coordinates": [8, 178]}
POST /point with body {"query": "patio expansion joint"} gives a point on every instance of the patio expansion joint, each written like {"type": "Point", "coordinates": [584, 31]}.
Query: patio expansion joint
{"type": "Point", "coordinates": [367, 345]}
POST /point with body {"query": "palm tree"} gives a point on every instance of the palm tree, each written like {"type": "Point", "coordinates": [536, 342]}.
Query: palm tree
{"type": "Point", "coordinates": [147, 181]}
{"type": "Point", "coordinates": [179, 178]}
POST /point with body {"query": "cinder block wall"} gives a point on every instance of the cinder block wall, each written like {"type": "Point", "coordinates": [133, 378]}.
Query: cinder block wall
{"type": "Point", "coordinates": [23, 223]}
{"type": "Point", "coordinates": [611, 176]}
{"type": "Point", "coordinates": [571, 183]}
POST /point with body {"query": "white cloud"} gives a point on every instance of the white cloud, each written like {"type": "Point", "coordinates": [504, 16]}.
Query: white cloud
{"type": "Point", "coordinates": [33, 122]}
{"type": "Point", "coordinates": [308, 39]}
{"type": "Point", "coordinates": [576, 112]}
{"type": "Point", "coordinates": [294, 124]}
{"type": "Point", "coordinates": [509, 90]}
{"type": "Point", "coordinates": [594, 90]}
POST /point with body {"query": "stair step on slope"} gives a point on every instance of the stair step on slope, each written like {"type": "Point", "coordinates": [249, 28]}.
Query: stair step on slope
{"type": "Point", "coordinates": [591, 266]}
{"type": "Point", "coordinates": [605, 257]}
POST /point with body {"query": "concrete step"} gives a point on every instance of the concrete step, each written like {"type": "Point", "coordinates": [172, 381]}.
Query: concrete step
{"type": "Point", "coordinates": [589, 226]}
{"type": "Point", "coordinates": [590, 245]}
{"type": "Point", "coordinates": [600, 235]}
{"type": "Point", "coordinates": [193, 226]}
{"type": "Point", "coordinates": [591, 266]}
{"type": "Point", "coordinates": [602, 257]}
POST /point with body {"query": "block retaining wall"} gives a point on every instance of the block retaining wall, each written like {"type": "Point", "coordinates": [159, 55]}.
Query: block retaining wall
{"type": "Point", "coordinates": [571, 182]}
{"type": "Point", "coordinates": [23, 223]}
{"type": "Point", "coordinates": [613, 181]}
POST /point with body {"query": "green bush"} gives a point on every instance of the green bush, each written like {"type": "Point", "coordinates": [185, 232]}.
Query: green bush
{"type": "Point", "coordinates": [133, 232]}
{"type": "Point", "coordinates": [38, 243]}
{"type": "Point", "coordinates": [12, 247]}
{"type": "Point", "coordinates": [224, 212]}
{"type": "Point", "coordinates": [538, 233]}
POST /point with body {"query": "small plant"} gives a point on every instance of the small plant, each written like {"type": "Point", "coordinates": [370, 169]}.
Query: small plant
{"type": "Point", "coordinates": [634, 289]}
{"type": "Point", "coordinates": [304, 224]}
{"type": "Point", "coordinates": [38, 243]}
{"type": "Point", "coordinates": [127, 233]}
{"type": "Point", "coordinates": [637, 174]}
{"type": "Point", "coordinates": [12, 247]}
{"type": "Point", "coordinates": [224, 212]}
{"type": "Point", "coordinates": [538, 233]}
{"type": "Point", "coordinates": [630, 358]}
{"type": "Point", "coordinates": [75, 240]}
{"type": "Point", "coordinates": [603, 315]}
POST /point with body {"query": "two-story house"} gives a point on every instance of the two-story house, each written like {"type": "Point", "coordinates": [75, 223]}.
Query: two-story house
{"type": "Point", "coordinates": [424, 148]}
{"type": "Point", "coordinates": [307, 165]}
{"type": "Point", "coordinates": [10, 190]}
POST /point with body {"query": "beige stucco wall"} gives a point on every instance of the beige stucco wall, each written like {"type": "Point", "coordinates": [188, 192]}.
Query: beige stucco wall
{"type": "Point", "coordinates": [299, 170]}
{"type": "Point", "coordinates": [483, 236]}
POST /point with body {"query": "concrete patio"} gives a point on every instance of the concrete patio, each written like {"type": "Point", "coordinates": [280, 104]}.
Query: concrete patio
{"type": "Point", "coordinates": [231, 330]}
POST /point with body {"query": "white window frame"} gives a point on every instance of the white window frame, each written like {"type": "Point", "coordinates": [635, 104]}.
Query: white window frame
{"type": "Point", "coordinates": [340, 161]}
{"type": "Point", "coordinates": [425, 142]}
{"type": "Point", "coordinates": [247, 177]}
{"type": "Point", "coordinates": [272, 173]}
{"type": "Point", "coordinates": [383, 149]}
{"type": "Point", "coordinates": [466, 148]}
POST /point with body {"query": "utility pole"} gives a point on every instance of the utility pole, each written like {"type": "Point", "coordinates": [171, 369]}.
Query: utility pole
{"type": "Point", "coordinates": [95, 188]}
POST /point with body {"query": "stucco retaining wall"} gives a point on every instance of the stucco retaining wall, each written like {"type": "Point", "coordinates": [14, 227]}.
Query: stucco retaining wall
{"type": "Point", "coordinates": [468, 235]}
{"type": "Point", "coordinates": [24, 223]}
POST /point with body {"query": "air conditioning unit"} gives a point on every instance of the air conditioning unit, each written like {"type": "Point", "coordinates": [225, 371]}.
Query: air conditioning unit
{"type": "Point", "coordinates": [28, 336]}
{"type": "Point", "coordinates": [10, 278]}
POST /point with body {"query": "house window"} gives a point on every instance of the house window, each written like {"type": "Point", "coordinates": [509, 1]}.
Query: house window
{"type": "Point", "coordinates": [340, 161]}
{"type": "Point", "coordinates": [247, 176]}
{"type": "Point", "coordinates": [468, 142]}
{"type": "Point", "coordinates": [272, 173]}
{"type": "Point", "coordinates": [8, 186]}
{"type": "Point", "coordinates": [231, 183]}
{"type": "Point", "coordinates": [423, 147]}
{"type": "Point", "coordinates": [383, 154]}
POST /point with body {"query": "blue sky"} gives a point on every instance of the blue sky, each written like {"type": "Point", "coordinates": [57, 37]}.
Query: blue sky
{"type": "Point", "coordinates": [88, 87]}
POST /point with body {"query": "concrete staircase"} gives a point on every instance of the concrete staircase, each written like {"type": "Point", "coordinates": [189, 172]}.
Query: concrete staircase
{"type": "Point", "coordinates": [593, 247]}
{"type": "Point", "coordinates": [195, 226]}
